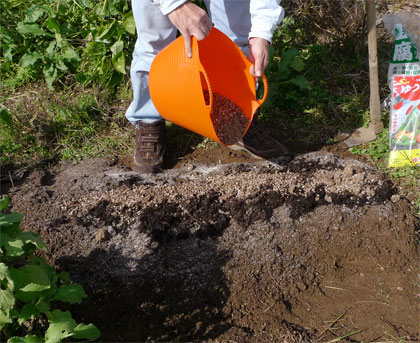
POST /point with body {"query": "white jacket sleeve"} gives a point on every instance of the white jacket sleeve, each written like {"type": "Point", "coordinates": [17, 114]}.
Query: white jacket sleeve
{"type": "Point", "coordinates": [265, 16]}
{"type": "Point", "coordinates": [167, 6]}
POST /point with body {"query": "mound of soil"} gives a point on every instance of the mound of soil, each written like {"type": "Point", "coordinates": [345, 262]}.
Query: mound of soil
{"type": "Point", "coordinates": [252, 252]}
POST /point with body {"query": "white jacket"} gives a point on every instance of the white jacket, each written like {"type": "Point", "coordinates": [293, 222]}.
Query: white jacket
{"type": "Point", "coordinates": [265, 15]}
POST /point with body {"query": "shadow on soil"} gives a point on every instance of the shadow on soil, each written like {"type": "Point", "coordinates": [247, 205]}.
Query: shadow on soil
{"type": "Point", "coordinates": [162, 298]}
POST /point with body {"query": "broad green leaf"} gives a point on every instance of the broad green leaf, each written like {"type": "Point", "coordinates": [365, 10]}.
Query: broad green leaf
{"type": "Point", "coordinates": [117, 47]}
{"type": "Point", "coordinates": [282, 73]}
{"type": "Point", "coordinates": [70, 54]}
{"type": "Point", "coordinates": [16, 340]}
{"type": "Point", "coordinates": [5, 317]}
{"type": "Point", "coordinates": [50, 74]}
{"type": "Point", "coordinates": [289, 56]}
{"type": "Point", "coordinates": [283, 68]}
{"type": "Point", "coordinates": [30, 279]}
{"type": "Point", "coordinates": [59, 40]}
{"type": "Point", "coordinates": [49, 293]}
{"type": "Point", "coordinates": [32, 339]}
{"type": "Point", "coordinates": [106, 33]}
{"type": "Point", "coordinates": [118, 61]}
{"type": "Point", "coordinates": [31, 237]}
{"type": "Point", "coordinates": [96, 48]}
{"type": "Point", "coordinates": [8, 50]}
{"type": "Point", "coordinates": [26, 339]}
{"type": "Point", "coordinates": [115, 79]}
{"type": "Point", "coordinates": [51, 274]}
{"type": "Point", "coordinates": [44, 265]}
{"type": "Point", "coordinates": [65, 277]}
{"type": "Point", "coordinates": [85, 3]}
{"type": "Point", "coordinates": [7, 119]}
{"type": "Point", "coordinates": [83, 331]}
{"type": "Point", "coordinates": [7, 219]}
{"type": "Point", "coordinates": [29, 59]}
{"type": "Point", "coordinates": [27, 312]}
{"type": "Point", "coordinates": [52, 24]}
{"type": "Point", "coordinates": [61, 65]}
{"type": "Point", "coordinates": [43, 306]}
{"type": "Point", "coordinates": [33, 13]}
{"type": "Point", "coordinates": [4, 271]}
{"type": "Point", "coordinates": [5, 274]}
{"type": "Point", "coordinates": [16, 243]}
{"type": "Point", "coordinates": [128, 23]}
{"type": "Point", "coordinates": [7, 299]}
{"type": "Point", "coordinates": [81, 77]}
{"type": "Point", "coordinates": [61, 326]}
{"type": "Point", "coordinates": [73, 293]}
{"type": "Point", "coordinates": [4, 238]}
{"type": "Point", "coordinates": [301, 82]}
{"type": "Point", "coordinates": [30, 29]}
{"type": "Point", "coordinates": [50, 48]}
{"type": "Point", "coordinates": [298, 64]}
{"type": "Point", "coordinates": [13, 245]}
{"type": "Point", "coordinates": [4, 202]}
{"type": "Point", "coordinates": [5, 36]}
{"type": "Point", "coordinates": [12, 229]}
{"type": "Point", "coordinates": [104, 65]}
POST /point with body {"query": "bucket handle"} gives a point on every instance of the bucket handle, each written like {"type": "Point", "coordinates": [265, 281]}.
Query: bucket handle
{"type": "Point", "coordinates": [265, 82]}
{"type": "Point", "coordinates": [196, 57]}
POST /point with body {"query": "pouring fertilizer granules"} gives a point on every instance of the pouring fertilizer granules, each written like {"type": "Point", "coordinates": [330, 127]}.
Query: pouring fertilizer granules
{"type": "Point", "coordinates": [228, 119]}
{"type": "Point", "coordinates": [223, 52]}
{"type": "Point", "coordinates": [211, 93]}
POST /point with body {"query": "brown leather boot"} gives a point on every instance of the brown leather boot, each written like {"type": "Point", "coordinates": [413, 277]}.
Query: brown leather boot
{"type": "Point", "coordinates": [150, 140]}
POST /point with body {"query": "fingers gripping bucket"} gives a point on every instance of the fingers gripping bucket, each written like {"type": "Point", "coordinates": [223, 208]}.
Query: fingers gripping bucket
{"type": "Point", "coordinates": [177, 82]}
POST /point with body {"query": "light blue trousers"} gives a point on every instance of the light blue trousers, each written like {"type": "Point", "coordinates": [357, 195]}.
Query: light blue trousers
{"type": "Point", "coordinates": [155, 31]}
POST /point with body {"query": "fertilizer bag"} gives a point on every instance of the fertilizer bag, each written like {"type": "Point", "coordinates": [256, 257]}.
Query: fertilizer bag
{"type": "Point", "coordinates": [404, 83]}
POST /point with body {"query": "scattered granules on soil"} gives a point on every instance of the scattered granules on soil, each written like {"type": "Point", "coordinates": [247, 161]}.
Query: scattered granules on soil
{"type": "Point", "coordinates": [228, 120]}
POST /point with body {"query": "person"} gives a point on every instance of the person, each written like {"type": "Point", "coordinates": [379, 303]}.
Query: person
{"type": "Point", "coordinates": [249, 23]}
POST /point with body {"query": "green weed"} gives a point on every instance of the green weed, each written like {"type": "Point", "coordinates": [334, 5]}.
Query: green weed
{"type": "Point", "coordinates": [85, 39]}
{"type": "Point", "coordinates": [30, 289]}
{"type": "Point", "coordinates": [377, 150]}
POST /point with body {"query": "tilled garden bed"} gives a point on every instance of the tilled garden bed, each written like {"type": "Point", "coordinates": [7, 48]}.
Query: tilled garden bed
{"type": "Point", "coordinates": [250, 252]}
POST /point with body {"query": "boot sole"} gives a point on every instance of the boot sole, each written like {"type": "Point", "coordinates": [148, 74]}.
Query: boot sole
{"type": "Point", "coordinates": [145, 168]}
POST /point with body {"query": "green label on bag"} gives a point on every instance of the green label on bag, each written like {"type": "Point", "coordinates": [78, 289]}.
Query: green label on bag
{"type": "Point", "coordinates": [404, 50]}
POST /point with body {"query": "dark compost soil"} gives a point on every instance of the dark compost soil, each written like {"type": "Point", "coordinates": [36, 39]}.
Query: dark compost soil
{"type": "Point", "coordinates": [242, 252]}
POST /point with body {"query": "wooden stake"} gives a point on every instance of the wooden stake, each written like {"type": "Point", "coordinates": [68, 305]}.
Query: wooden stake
{"type": "Point", "coordinates": [375, 106]}
{"type": "Point", "coordinates": [367, 134]}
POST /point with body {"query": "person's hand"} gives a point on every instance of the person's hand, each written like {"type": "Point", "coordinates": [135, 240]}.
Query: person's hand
{"type": "Point", "coordinates": [258, 55]}
{"type": "Point", "coordinates": [190, 20]}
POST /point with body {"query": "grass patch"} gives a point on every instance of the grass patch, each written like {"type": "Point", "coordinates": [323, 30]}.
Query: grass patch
{"type": "Point", "coordinates": [70, 123]}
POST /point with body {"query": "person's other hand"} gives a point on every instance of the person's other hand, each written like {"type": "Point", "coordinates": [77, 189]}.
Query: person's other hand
{"type": "Point", "coordinates": [190, 20]}
{"type": "Point", "coordinates": [258, 55]}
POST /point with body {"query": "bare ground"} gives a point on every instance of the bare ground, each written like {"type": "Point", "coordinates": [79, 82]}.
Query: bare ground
{"type": "Point", "coordinates": [247, 251]}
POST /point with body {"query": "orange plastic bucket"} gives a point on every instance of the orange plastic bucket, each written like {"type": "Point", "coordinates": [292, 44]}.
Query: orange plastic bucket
{"type": "Point", "coordinates": [177, 82]}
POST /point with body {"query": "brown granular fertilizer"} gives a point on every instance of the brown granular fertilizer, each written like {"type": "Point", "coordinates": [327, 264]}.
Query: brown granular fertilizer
{"type": "Point", "coordinates": [228, 120]}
